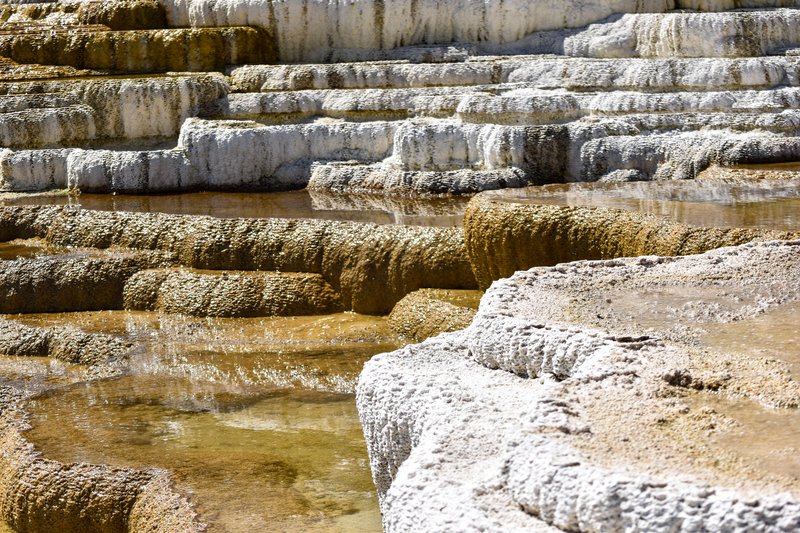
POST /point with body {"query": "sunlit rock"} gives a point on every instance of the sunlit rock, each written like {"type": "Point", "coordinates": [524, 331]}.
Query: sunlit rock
{"type": "Point", "coordinates": [560, 404]}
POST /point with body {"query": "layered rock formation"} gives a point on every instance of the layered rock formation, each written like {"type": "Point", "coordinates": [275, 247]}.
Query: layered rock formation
{"type": "Point", "coordinates": [575, 401]}
{"type": "Point", "coordinates": [369, 267]}
{"type": "Point", "coordinates": [505, 236]}
{"type": "Point", "coordinates": [414, 98]}
{"type": "Point", "coordinates": [495, 97]}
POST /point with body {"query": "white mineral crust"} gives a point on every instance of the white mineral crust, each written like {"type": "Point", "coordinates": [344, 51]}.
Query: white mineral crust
{"type": "Point", "coordinates": [501, 427]}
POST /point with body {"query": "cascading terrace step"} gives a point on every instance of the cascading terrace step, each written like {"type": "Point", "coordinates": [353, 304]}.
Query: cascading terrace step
{"type": "Point", "coordinates": [137, 51]}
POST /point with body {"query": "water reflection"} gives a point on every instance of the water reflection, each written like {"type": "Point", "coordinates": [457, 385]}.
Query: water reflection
{"type": "Point", "coordinates": [758, 204]}
{"type": "Point", "coordinates": [24, 248]}
{"type": "Point", "coordinates": [256, 417]}
{"type": "Point", "coordinates": [437, 212]}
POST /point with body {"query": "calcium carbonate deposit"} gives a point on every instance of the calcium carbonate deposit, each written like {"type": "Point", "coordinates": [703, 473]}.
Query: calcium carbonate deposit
{"type": "Point", "coordinates": [223, 222]}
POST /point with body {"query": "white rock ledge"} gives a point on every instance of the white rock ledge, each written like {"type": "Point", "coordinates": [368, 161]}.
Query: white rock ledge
{"type": "Point", "coordinates": [537, 417]}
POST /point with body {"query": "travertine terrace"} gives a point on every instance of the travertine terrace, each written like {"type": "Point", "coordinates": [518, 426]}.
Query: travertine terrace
{"type": "Point", "coordinates": [402, 107]}
{"type": "Point", "coordinates": [569, 405]}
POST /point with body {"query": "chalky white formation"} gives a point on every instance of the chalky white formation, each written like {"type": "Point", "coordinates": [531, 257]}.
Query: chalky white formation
{"type": "Point", "coordinates": [408, 96]}
{"type": "Point", "coordinates": [583, 397]}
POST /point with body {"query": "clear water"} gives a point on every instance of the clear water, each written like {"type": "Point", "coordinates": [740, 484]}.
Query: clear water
{"type": "Point", "coordinates": [255, 417]}
{"type": "Point", "coordinates": [773, 204]}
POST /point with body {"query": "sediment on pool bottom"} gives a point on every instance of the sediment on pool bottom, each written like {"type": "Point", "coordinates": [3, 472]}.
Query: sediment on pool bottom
{"type": "Point", "coordinates": [253, 416]}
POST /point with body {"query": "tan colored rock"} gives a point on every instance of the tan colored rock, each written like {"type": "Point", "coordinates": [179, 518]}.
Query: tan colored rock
{"type": "Point", "coordinates": [124, 14]}
{"type": "Point", "coordinates": [59, 284]}
{"type": "Point", "coordinates": [504, 237]}
{"type": "Point", "coordinates": [371, 266]}
{"type": "Point", "coordinates": [429, 312]}
{"type": "Point", "coordinates": [160, 509]}
{"type": "Point", "coordinates": [67, 344]}
{"type": "Point", "coordinates": [206, 49]}
{"type": "Point", "coordinates": [41, 495]}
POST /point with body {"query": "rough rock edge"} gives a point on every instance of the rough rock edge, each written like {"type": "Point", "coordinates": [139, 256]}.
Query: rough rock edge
{"type": "Point", "coordinates": [424, 408]}
{"type": "Point", "coordinates": [504, 237]}
{"type": "Point", "coordinates": [426, 313]}
{"type": "Point", "coordinates": [230, 294]}
{"type": "Point", "coordinates": [38, 494]}
{"type": "Point", "coordinates": [372, 267]}
{"type": "Point", "coordinates": [67, 344]}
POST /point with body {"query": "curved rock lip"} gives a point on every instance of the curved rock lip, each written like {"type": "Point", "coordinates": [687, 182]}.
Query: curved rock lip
{"type": "Point", "coordinates": [230, 294]}
{"type": "Point", "coordinates": [38, 493]}
{"type": "Point", "coordinates": [573, 401]}
{"type": "Point", "coordinates": [503, 237]}
{"type": "Point", "coordinates": [371, 267]}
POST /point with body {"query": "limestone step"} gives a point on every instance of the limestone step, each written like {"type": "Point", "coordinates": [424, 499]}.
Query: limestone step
{"type": "Point", "coordinates": [116, 15]}
{"type": "Point", "coordinates": [544, 72]}
{"type": "Point", "coordinates": [349, 104]}
{"type": "Point", "coordinates": [370, 266]}
{"type": "Point", "coordinates": [208, 49]}
{"type": "Point", "coordinates": [67, 283]}
{"type": "Point", "coordinates": [22, 102]}
{"type": "Point", "coordinates": [249, 154]}
{"type": "Point", "coordinates": [311, 31]}
{"type": "Point", "coordinates": [695, 74]}
{"type": "Point", "coordinates": [66, 343]}
{"type": "Point", "coordinates": [98, 109]}
{"type": "Point", "coordinates": [543, 107]}
{"type": "Point", "coordinates": [230, 293]}
{"type": "Point", "coordinates": [47, 126]}
{"type": "Point", "coordinates": [729, 34]}
{"type": "Point", "coordinates": [495, 104]}
{"type": "Point", "coordinates": [367, 75]}
{"type": "Point", "coordinates": [681, 155]}
{"type": "Point", "coordinates": [344, 177]}
{"type": "Point", "coordinates": [418, 156]}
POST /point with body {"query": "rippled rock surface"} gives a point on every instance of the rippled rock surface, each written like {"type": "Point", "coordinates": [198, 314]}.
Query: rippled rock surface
{"type": "Point", "coordinates": [285, 95]}
{"type": "Point", "coordinates": [599, 395]}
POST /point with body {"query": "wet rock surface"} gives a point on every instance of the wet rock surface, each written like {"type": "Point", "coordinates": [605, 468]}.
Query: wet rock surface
{"type": "Point", "coordinates": [371, 266]}
{"type": "Point", "coordinates": [503, 237]}
{"type": "Point", "coordinates": [429, 312]}
{"type": "Point", "coordinates": [230, 294]}
{"type": "Point", "coordinates": [67, 344]}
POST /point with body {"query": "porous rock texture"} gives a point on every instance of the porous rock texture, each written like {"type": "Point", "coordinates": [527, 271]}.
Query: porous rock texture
{"type": "Point", "coordinates": [397, 97]}
{"type": "Point", "coordinates": [59, 284]}
{"type": "Point", "coordinates": [230, 294]}
{"type": "Point", "coordinates": [559, 408]}
{"type": "Point", "coordinates": [429, 312]}
{"type": "Point", "coordinates": [504, 236]}
{"type": "Point", "coordinates": [67, 344]}
{"type": "Point", "coordinates": [392, 96]}
{"type": "Point", "coordinates": [371, 267]}
{"type": "Point", "coordinates": [38, 494]}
